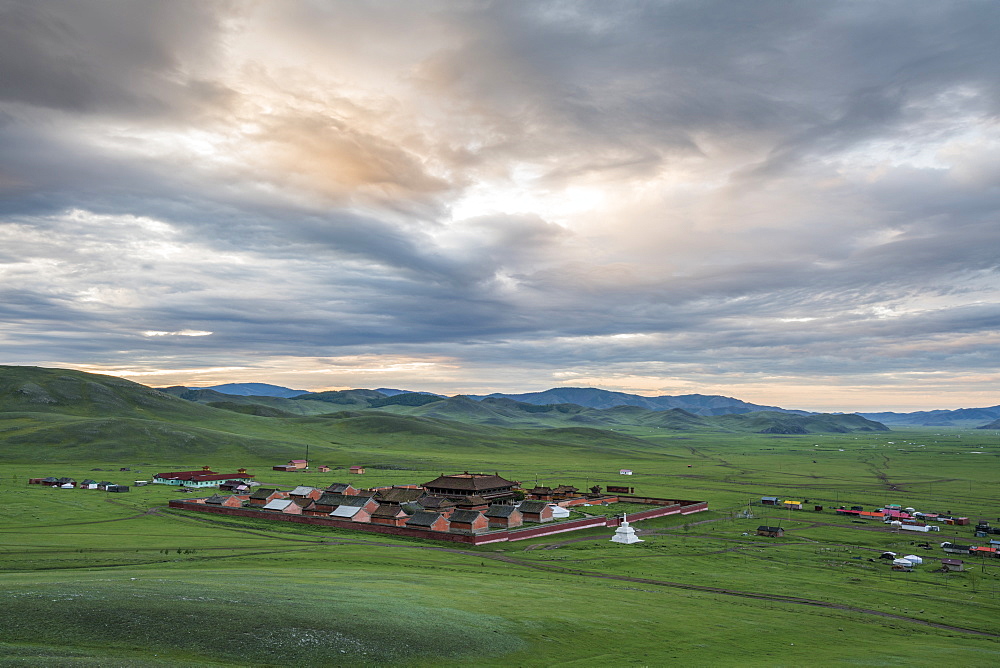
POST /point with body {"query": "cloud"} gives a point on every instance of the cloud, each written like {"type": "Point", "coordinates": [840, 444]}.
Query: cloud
{"type": "Point", "coordinates": [654, 194]}
{"type": "Point", "coordinates": [116, 57]}
{"type": "Point", "coordinates": [182, 332]}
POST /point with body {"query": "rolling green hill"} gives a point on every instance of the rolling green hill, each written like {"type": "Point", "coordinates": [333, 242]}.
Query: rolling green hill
{"type": "Point", "coordinates": [506, 412]}
{"type": "Point", "coordinates": [291, 406]}
{"type": "Point", "coordinates": [767, 422]}
{"type": "Point", "coordinates": [60, 415]}
{"type": "Point", "coordinates": [38, 390]}
{"type": "Point", "coordinates": [515, 414]}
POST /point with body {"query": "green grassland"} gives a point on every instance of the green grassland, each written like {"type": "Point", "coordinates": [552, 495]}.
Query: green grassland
{"type": "Point", "coordinates": [94, 579]}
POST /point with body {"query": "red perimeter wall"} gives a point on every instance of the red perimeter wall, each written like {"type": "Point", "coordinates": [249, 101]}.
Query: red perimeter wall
{"type": "Point", "coordinates": [549, 528]}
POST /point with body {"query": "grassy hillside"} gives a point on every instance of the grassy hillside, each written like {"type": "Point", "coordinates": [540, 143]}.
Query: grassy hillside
{"type": "Point", "coordinates": [701, 590]}
{"type": "Point", "coordinates": [510, 413]}
{"type": "Point", "coordinates": [38, 390]}
{"type": "Point", "coordinates": [506, 412]}
{"type": "Point", "coordinates": [290, 406]}
{"type": "Point", "coordinates": [783, 423]}
{"type": "Point", "coordinates": [63, 416]}
{"type": "Point", "coordinates": [57, 415]}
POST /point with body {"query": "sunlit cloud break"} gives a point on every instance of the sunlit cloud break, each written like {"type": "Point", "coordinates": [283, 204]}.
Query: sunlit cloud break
{"type": "Point", "coordinates": [183, 332]}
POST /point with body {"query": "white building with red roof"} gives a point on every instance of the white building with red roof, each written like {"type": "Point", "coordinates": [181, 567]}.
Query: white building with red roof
{"type": "Point", "coordinates": [203, 478]}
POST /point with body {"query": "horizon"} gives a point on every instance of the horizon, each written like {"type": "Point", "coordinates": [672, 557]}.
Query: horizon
{"type": "Point", "coordinates": [650, 394]}
{"type": "Point", "coordinates": [795, 206]}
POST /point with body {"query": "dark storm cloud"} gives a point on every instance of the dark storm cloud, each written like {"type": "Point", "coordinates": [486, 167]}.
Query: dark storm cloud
{"type": "Point", "coordinates": [115, 56]}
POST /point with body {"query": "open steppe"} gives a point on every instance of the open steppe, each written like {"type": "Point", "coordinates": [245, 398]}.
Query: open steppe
{"type": "Point", "coordinates": [91, 578]}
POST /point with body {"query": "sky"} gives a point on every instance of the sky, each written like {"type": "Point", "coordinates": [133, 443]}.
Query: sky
{"type": "Point", "coordinates": [791, 203]}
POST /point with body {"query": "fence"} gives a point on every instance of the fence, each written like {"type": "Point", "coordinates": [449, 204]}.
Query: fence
{"type": "Point", "coordinates": [675, 507]}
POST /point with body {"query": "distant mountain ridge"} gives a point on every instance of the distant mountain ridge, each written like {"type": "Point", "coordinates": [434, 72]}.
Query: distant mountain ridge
{"type": "Point", "coordinates": [704, 405]}
{"type": "Point", "coordinates": [590, 397]}
{"type": "Point", "coordinates": [938, 418]}
{"type": "Point", "coordinates": [500, 411]}
{"type": "Point", "coordinates": [59, 415]}
{"type": "Point", "coordinates": [253, 390]}
{"type": "Point", "coordinates": [389, 392]}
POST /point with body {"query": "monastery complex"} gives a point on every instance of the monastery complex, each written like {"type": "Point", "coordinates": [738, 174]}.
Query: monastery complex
{"type": "Point", "coordinates": [465, 507]}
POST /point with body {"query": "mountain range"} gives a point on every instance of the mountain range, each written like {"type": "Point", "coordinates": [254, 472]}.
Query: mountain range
{"type": "Point", "coordinates": [63, 415]}
{"type": "Point", "coordinates": [502, 411]}
{"type": "Point", "coordinates": [961, 417]}
{"type": "Point", "coordinates": [697, 404]}
{"type": "Point", "coordinates": [253, 390]}
{"type": "Point", "coordinates": [60, 415]}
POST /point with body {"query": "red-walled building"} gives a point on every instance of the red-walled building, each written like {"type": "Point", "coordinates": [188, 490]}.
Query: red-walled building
{"type": "Point", "coordinates": [427, 520]}
{"type": "Point", "coordinates": [472, 521]}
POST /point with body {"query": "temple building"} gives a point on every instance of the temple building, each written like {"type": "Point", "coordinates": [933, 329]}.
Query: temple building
{"type": "Point", "coordinates": [490, 487]}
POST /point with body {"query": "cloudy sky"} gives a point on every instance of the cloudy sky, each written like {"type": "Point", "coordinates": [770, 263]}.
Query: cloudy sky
{"type": "Point", "coordinates": [793, 203]}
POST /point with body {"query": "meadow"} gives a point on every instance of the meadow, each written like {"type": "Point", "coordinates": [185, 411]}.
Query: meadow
{"type": "Point", "coordinates": [90, 578]}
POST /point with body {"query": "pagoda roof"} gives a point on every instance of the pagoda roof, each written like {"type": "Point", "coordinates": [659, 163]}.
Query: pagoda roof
{"type": "Point", "coordinates": [429, 502]}
{"type": "Point", "coordinates": [399, 494]}
{"type": "Point", "coordinates": [470, 482]}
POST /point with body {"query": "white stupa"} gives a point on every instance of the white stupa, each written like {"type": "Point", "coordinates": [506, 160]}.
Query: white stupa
{"type": "Point", "coordinates": [625, 533]}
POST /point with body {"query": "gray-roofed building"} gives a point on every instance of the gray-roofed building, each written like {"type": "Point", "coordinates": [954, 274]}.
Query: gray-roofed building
{"type": "Point", "coordinates": [437, 503]}
{"type": "Point", "coordinates": [504, 516]}
{"type": "Point", "coordinates": [262, 495]}
{"type": "Point", "coordinates": [535, 511]}
{"type": "Point", "coordinates": [326, 503]}
{"type": "Point", "coordinates": [473, 502]}
{"type": "Point", "coordinates": [468, 521]}
{"type": "Point", "coordinates": [353, 513]}
{"type": "Point", "coordinates": [428, 520]}
{"type": "Point", "coordinates": [399, 495]}
{"type": "Point", "coordinates": [227, 500]}
{"type": "Point", "coordinates": [286, 506]}
{"type": "Point", "coordinates": [303, 494]}
{"type": "Point", "coordinates": [342, 488]}
{"type": "Point", "coordinates": [390, 515]}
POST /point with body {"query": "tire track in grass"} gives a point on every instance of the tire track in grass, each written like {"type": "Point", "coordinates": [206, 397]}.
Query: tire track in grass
{"type": "Point", "coordinates": [778, 598]}
{"type": "Point", "coordinates": [151, 511]}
